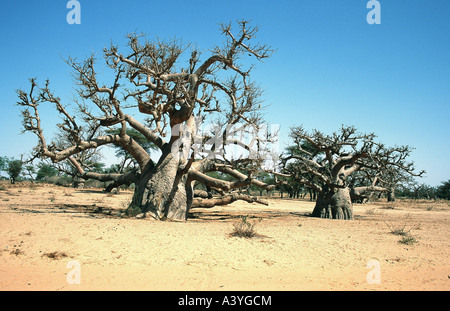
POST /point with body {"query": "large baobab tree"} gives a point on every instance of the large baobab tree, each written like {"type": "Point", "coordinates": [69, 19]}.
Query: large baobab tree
{"type": "Point", "coordinates": [176, 90]}
{"type": "Point", "coordinates": [325, 163]}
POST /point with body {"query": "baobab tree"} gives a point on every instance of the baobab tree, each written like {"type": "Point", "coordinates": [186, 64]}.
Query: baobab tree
{"type": "Point", "coordinates": [382, 179]}
{"type": "Point", "coordinates": [175, 93]}
{"type": "Point", "coordinates": [332, 159]}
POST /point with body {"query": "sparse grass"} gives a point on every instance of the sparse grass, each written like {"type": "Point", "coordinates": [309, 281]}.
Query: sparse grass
{"type": "Point", "coordinates": [17, 252]}
{"type": "Point", "coordinates": [32, 185]}
{"type": "Point", "coordinates": [8, 192]}
{"type": "Point", "coordinates": [99, 200]}
{"type": "Point", "coordinates": [422, 204]}
{"type": "Point", "coordinates": [374, 211]}
{"type": "Point", "coordinates": [401, 230]}
{"type": "Point", "coordinates": [408, 240]}
{"type": "Point", "coordinates": [244, 228]}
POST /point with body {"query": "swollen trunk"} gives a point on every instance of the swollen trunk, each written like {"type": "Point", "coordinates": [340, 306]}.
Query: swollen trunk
{"type": "Point", "coordinates": [162, 192]}
{"type": "Point", "coordinates": [335, 204]}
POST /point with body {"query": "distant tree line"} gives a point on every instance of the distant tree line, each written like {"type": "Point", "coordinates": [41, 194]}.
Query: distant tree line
{"type": "Point", "coordinates": [287, 187]}
{"type": "Point", "coordinates": [424, 191]}
{"type": "Point", "coordinates": [16, 170]}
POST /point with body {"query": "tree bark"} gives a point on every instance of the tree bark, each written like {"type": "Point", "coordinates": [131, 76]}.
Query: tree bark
{"type": "Point", "coordinates": [391, 195]}
{"type": "Point", "coordinates": [335, 204]}
{"type": "Point", "coordinates": [162, 191]}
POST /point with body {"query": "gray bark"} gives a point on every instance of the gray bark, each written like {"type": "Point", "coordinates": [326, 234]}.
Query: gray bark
{"type": "Point", "coordinates": [162, 192]}
{"type": "Point", "coordinates": [335, 204]}
{"type": "Point", "coordinates": [391, 195]}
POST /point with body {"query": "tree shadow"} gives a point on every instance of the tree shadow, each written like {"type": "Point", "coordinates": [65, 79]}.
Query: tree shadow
{"type": "Point", "coordinates": [74, 210]}
{"type": "Point", "coordinates": [90, 191]}
{"type": "Point", "coordinates": [210, 215]}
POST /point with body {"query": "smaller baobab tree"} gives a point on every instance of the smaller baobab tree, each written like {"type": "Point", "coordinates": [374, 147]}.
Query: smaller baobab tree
{"type": "Point", "coordinates": [332, 159]}
{"type": "Point", "coordinates": [387, 175]}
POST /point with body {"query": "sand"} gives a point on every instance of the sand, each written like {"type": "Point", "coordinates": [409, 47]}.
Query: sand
{"type": "Point", "coordinates": [62, 239]}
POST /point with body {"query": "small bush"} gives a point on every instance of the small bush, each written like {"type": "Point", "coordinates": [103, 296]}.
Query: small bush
{"type": "Point", "coordinates": [244, 228]}
{"type": "Point", "coordinates": [407, 240]}
{"type": "Point", "coordinates": [401, 229]}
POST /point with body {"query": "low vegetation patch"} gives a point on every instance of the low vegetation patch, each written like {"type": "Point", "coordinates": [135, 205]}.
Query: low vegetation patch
{"type": "Point", "coordinates": [55, 255]}
{"type": "Point", "coordinates": [17, 252]}
{"type": "Point", "coordinates": [244, 228]}
{"type": "Point", "coordinates": [408, 240]}
{"type": "Point", "coordinates": [401, 230]}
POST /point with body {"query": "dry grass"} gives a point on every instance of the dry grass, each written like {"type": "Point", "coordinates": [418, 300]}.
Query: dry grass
{"type": "Point", "coordinates": [374, 211]}
{"type": "Point", "coordinates": [404, 231]}
{"type": "Point", "coordinates": [17, 252]}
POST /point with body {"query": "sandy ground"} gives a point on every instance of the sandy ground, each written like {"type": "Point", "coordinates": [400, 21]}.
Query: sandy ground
{"type": "Point", "coordinates": [52, 237]}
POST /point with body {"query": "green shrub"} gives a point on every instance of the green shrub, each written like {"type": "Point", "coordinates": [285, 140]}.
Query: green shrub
{"type": "Point", "coordinates": [244, 228]}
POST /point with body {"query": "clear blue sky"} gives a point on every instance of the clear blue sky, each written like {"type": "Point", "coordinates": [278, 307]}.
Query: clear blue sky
{"type": "Point", "coordinates": [331, 67]}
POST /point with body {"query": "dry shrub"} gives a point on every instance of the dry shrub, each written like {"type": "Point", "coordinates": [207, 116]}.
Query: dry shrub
{"type": "Point", "coordinates": [244, 228]}
{"type": "Point", "coordinates": [402, 231]}
{"type": "Point", "coordinates": [408, 240]}
{"type": "Point", "coordinates": [55, 255]}
{"type": "Point", "coordinates": [17, 252]}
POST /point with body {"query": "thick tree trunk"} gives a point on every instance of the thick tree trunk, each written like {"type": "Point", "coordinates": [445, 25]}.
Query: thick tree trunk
{"type": "Point", "coordinates": [334, 204]}
{"type": "Point", "coordinates": [358, 195]}
{"type": "Point", "coordinates": [78, 182]}
{"type": "Point", "coordinates": [391, 195]}
{"type": "Point", "coordinates": [162, 192]}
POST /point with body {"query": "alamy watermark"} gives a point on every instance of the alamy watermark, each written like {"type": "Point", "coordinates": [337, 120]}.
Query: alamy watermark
{"type": "Point", "coordinates": [374, 15]}
{"type": "Point", "coordinates": [232, 141]}
{"type": "Point", "coordinates": [374, 275]}
{"type": "Point", "coordinates": [74, 275]}
{"type": "Point", "coordinates": [74, 15]}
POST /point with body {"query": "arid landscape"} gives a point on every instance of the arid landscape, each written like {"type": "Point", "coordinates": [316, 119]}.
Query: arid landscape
{"type": "Point", "coordinates": [44, 228]}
